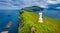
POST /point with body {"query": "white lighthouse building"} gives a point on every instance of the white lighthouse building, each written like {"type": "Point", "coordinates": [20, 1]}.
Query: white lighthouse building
{"type": "Point", "coordinates": [40, 17]}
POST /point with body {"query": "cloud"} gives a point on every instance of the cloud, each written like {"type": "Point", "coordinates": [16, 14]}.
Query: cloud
{"type": "Point", "coordinates": [18, 4]}
{"type": "Point", "coordinates": [53, 1]}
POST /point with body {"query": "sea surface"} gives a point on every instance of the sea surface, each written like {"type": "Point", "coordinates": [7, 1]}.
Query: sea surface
{"type": "Point", "coordinates": [51, 13]}
{"type": "Point", "coordinates": [12, 15]}
{"type": "Point", "coordinates": [5, 17]}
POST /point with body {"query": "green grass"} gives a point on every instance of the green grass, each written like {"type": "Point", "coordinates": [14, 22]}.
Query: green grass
{"type": "Point", "coordinates": [29, 19]}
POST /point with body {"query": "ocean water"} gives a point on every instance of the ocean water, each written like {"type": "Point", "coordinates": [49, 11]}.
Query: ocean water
{"type": "Point", "coordinates": [12, 15]}
{"type": "Point", "coordinates": [51, 13]}
{"type": "Point", "coordinates": [5, 17]}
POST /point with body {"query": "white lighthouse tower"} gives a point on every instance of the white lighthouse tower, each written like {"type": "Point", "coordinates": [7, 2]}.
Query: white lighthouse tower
{"type": "Point", "coordinates": [40, 17]}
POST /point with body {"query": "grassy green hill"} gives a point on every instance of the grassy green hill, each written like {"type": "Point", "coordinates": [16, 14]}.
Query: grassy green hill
{"type": "Point", "coordinates": [29, 19]}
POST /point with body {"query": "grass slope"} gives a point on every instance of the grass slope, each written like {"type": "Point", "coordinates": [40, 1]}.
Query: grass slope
{"type": "Point", "coordinates": [28, 19]}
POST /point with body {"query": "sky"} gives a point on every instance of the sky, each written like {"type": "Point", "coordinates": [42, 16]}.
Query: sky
{"type": "Point", "coordinates": [18, 4]}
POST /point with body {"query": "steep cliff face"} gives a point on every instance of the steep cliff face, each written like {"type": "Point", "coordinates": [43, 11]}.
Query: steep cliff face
{"type": "Point", "coordinates": [29, 20]}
